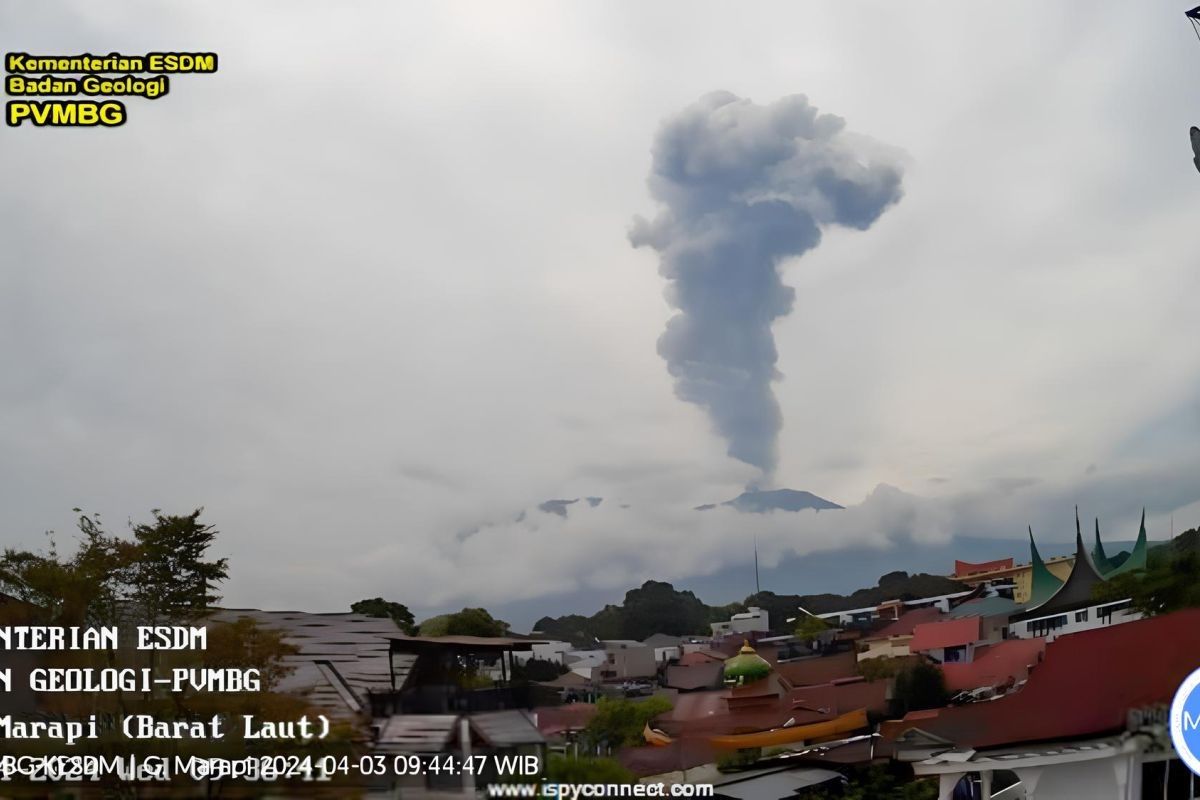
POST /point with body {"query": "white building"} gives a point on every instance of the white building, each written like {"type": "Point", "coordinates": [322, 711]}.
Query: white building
{"type": "Point", "coordinates": [1124, 767]}
{"type": "Point", "coordinates": [753, 620]}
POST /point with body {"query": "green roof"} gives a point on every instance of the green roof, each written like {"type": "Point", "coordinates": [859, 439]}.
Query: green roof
{"type": "Point", "coordinates": [746, 667]}
{"type": "Point", "coordinates": [1137, 559]}
{"type": "Point", "coordinates": [1102, 563]}
{"type": "Point", "coordinates": [1043, 584]}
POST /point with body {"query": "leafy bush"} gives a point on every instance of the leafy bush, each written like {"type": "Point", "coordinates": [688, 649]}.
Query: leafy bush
{"type": "Point", "coordinates": [619, 722]}
{"type": "Point", "coordinates": [585, 769]}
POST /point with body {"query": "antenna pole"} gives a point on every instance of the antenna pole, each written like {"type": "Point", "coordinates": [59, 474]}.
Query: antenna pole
{"type": "Point", "coordinates": [757, 587]}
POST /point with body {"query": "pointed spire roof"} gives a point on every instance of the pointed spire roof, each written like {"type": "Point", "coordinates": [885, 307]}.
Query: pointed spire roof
{"type": "Point", "coordinates": [1137, 559]}
{"type": "Point", "coordinates": [1102, 563]}
{"type": "Point", "coordinates": [1043, 583]}
{"type": "Point", "coordinates": [1077, 588]}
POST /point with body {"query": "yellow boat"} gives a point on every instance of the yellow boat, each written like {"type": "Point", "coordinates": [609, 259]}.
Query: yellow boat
{"type": "Point", "coordinates": [846, 723]}
{"type": "Point", "coordinates": [655, 737]}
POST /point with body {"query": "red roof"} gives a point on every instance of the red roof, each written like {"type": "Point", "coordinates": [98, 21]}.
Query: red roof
{"type": "Point", "coordinates": [698, 658]}
{"type": "Point", "coordinates": [904, 626]}
{"type": "Point", "coordinates": [1085, 686]}
{"type": "Point", "coordinates": [962, 568]}
{"type": "Point", "coordinates": [944, 633]}
{"type": "Point", "coordinates": [995, 664]}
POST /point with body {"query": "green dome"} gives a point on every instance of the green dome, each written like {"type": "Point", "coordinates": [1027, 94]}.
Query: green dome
{"type": "Point", "coordinates": [746, 667]}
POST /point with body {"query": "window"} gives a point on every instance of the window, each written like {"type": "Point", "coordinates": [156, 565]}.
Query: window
{"type": "Point", "coordinates": [1081, 616]}
{"type": "Point", "coordinates": [955, 655]}
{"type": "Point", "coordinates": [1104, 613]}
{"type": "Point", "coordinates": [1042, 627]}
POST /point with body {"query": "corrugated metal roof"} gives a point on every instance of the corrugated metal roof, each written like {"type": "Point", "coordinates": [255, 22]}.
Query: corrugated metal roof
{"type": "Point", "coordinates": [985, 607]}
{"type": "Point", "coordinates": [416, 733]}
{"type": "Point", "coordinates": [506, 728]}
{"type": "Point", "coordinates": [909, 620]}
{"type": "Point", "coordinates": [338, 653]}
{"type": "Point", "coordinates": [946, 633]}
{"type": "Point", "coordinates": [1085, 686]}
{"type": "Point", "coordinates": [995, 664]}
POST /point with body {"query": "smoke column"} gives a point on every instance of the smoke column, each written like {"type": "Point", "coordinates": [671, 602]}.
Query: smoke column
{"type": "Point", "coordinates": [744, 187]}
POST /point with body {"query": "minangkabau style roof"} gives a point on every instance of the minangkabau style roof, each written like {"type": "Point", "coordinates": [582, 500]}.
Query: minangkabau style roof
{"type": "Point", "coordinates": [1075, 592]}
{"type": "Point", "coordinates": [1137, 559]}
{"type": "Point", "coordinates": [1098, 555]}
{"type": "Point", "coordinates": [1043, 582]}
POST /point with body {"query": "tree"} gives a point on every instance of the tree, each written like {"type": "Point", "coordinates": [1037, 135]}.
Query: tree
{"type": "Point", "coordinates": [585, 769]}
{"type": "Point", "coordinates": [537, 669]}
{"type": "Point", "coordinates": [880, 783]}
{"type": "Point", "coordinates": [919, 687]}
{"type": "Point", "coordinates": [619, 721]}
{"type": "Point", "coordinates": [880, 668]}
{"type": "Point", "coordinates": [658, 607]}
{"type": "Point", "coordinates": [172, 580]}
{"type": "Point", "coordinates": [468, 622]}
{"type": "Point", "coordinates": [1170, 582]}
{"type": "Point", "coordinates": [810, 627]}
{"type": "Point", "coordinates": [397, 612]}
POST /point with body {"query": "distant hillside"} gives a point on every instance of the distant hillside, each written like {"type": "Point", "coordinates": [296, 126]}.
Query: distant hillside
{"type": "Point", "coordinates": [658, 607]}
{"type": "Point", "coordinates": [756, 502]}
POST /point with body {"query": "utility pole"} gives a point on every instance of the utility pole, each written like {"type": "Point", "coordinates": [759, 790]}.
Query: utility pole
{"type": "Point", "coordinates": [757, 587]}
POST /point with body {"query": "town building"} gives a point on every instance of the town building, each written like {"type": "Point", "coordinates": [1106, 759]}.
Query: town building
{"type": "Point", "coordinates": [1058, 607]}
{"type": "Point", "coordinates": [752, 620]}
{"type": "Point", "coordinates": [1087, 723]}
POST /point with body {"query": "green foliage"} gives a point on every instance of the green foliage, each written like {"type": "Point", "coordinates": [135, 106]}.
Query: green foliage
{"type": "Point", "coordinates": [537, 669]}
{"type": "Point", "coordinates": [658, 607]}
{"type": "Point", "coordinates": [881, 668]}
{"type": "Point", "coordinates": [919, 687]}
{"type": "Point", "coordinates": [655, 607]}
{"type": "Point", "coordinates": [881, 783]}
{"type": "Point", "coordinates": [810, 627]}
{"type": "Point", "coordinates": [244, 644]}
{"type": "Point", "coordinates": [739, 759]}
{"type": "Point", "coordinates": [1170, 582]}
{"type": "Point", "coordinates": [468, 622]}
{"type": "Point", "coordinates": [397, 612]}
{"type": "Point", "coordinates": [160, 575]}
{"type": "Point", "coordinates": [171, 578]}
{"type": "Point", "coordinates": [585, 769]}
{"type": "Point", "coordinates": [619, 722]}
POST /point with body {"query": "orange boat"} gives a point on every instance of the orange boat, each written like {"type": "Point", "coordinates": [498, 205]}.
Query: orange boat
{"type": "Point", "coordinates": [846, 723]}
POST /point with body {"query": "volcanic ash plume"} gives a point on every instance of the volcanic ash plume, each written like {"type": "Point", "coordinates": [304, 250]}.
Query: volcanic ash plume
{"type": "Point", "coordinates": [744, 187]}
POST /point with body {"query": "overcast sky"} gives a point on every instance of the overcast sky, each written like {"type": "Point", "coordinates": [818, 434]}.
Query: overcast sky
{"type": "Point", "coordinates": [368, 292]}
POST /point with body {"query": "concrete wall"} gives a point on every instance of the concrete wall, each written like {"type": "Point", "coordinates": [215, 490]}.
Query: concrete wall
{"type": "Point", "coordinates": [893, 647]}
{"type": "Point", "coordinates": [1021, 630]}
{"type": "Point", "coordinates": [628, 662]}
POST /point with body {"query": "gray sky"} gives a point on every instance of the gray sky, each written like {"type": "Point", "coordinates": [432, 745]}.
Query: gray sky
{"type": "Point", "coordinates": [369, 288]}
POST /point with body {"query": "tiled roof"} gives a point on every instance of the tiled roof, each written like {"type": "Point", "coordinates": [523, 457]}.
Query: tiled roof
{"type": "Point", "coordinates": [995, 664]}
{"type": "Point", "coordinates": [699, 676]}
{"type": "Point", "coordinates": [1085, 686]}
{"type": "Point", "coordinates": [506, 728]}
{"type": "Point", "coordinates": [904, 626]}
{"type": "Point", "coordinates": [700, 657]}
{"type": "Point", "coordinates": [944, 633]}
